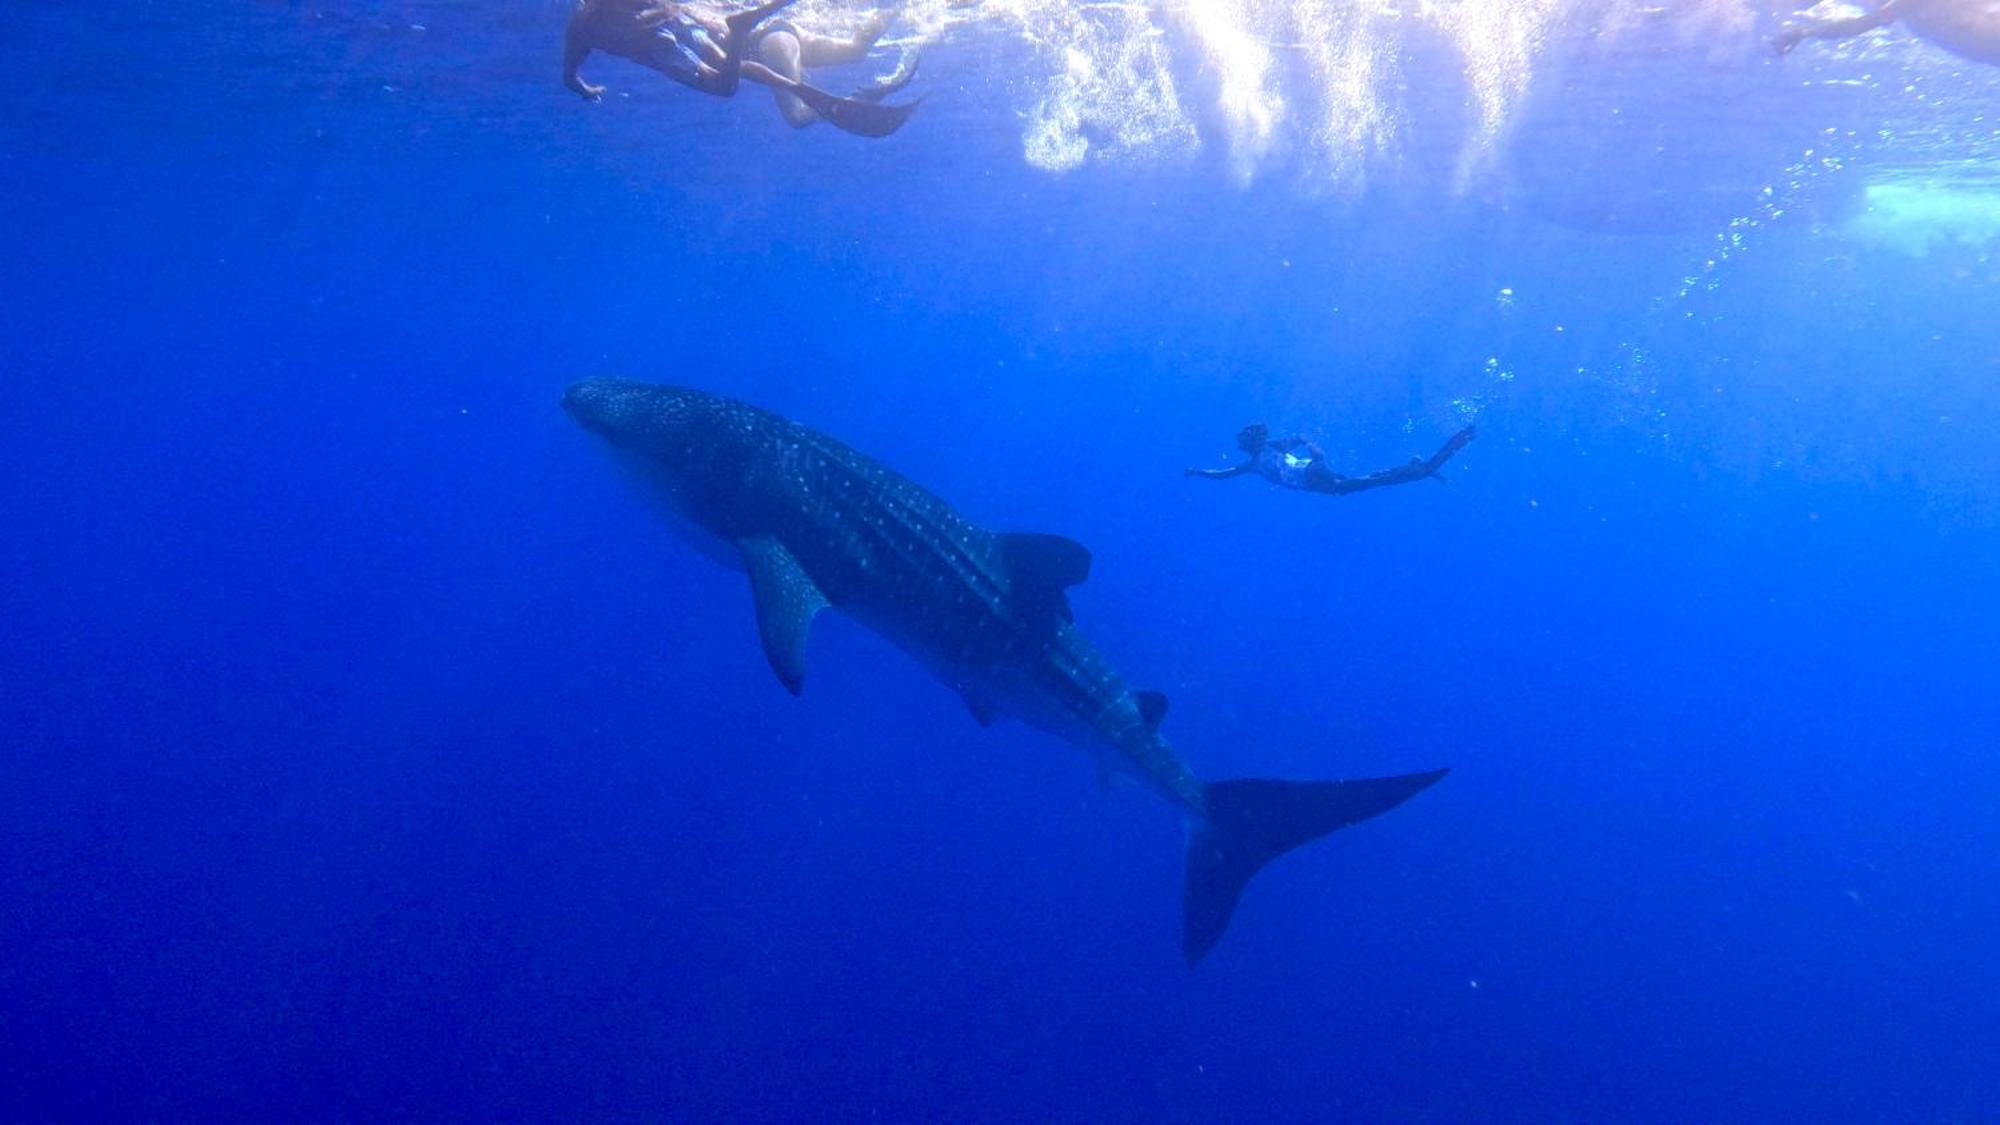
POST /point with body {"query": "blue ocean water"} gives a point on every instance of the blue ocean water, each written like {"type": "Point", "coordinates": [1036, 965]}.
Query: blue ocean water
{"type": "Point", "coordinates": [372, 750]}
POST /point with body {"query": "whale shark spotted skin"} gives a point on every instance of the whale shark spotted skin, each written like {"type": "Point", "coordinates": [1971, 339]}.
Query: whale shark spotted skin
{"type": "Point", "coordinates": [816, 524]}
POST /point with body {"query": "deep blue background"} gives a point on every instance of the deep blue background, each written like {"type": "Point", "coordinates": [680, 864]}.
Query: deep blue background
{"type": "Point", "coordinates": [372, 751]}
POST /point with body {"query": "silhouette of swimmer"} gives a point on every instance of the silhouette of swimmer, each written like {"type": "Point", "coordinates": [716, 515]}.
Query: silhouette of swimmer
{"type": "Point", "coordinates": [706, 54]}
{"type": "Point", "coordinates": [1294, 462]}
{"type": "Point", "coordinates": [1969, 29]}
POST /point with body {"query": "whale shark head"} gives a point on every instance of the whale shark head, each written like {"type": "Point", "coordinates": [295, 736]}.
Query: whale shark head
{"type": "Point", "coordinates": [630, 413]}
{"type": "Point", "coordinates": [684, 441]}
{"type": "Point", "coordinates": [678, 430]}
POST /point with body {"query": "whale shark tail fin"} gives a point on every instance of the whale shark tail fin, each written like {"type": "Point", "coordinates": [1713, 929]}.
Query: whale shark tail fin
{"type": "Point", "coordinates": [1252, 821]}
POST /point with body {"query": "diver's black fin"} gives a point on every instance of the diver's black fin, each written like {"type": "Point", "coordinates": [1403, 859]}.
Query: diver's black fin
{"type": "Point", "coordinates": [786, 602]}
{"type": "Point", "coordinates": [853, 115]}
{"type": "Point", "coordinates": [1251, 822]}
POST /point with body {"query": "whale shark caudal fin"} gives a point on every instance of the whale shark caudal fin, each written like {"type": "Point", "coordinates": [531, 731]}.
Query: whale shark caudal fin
{"type": "Point", "coordinates": [1251, 822]}
{"type": "Point", "coordinates": [787, 600]}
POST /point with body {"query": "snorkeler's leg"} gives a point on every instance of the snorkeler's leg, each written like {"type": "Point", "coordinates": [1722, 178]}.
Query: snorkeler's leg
{"type": "Point", "coordinates": [812, 49]}
{"type": "Point", "coordinates": [778, 57]}
{"type": "Point", "coordinates": [1417, 468]}
{"type": "Point", "coordinates": [827, 50]}
{"type": "Point", "coordinates": [1338, 485]}
{"type": "Point", "coordinates": [850, 115]}
{"type": "Point", "coordinates": [742, 24]}
{"type": "Point", "coordinates": [1452, 445]}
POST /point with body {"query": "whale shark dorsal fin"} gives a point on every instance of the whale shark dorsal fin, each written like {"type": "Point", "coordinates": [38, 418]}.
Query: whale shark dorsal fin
{"type": "Point", "coordinates": [1152, 708]}
{"type": "Point", "coordinates": [1050, 560]}
{"type": "Point", "coordinates": [786, 602]}
{"type": "Point", "coordinates": [1041, 567]}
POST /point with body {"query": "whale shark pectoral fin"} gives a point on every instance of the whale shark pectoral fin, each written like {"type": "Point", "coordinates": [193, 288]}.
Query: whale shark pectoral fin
{"type": "Point", "coordinates": [983, 712]}
{"type": "Point", "coordinates": [1107, 774]}
{"type": "Point", "coordinates": [1041, 567]}
{"type": "Point", "coordinates": [786, 600]}
{"type": "Point", "coordinates": [1152, 708]}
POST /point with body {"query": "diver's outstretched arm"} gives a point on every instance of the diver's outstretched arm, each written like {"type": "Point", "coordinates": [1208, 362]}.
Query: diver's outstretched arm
{"type": "Point", "coordinates": [1883, 15]}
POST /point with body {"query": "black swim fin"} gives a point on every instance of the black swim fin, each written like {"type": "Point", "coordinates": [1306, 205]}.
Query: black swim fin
{"type": "Point", "coordinates": [853, 115]}
{"type": "Point", "coordinates": [1251, 822]}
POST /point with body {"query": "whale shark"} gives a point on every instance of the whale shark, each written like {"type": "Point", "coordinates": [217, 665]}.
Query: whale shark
{"type": "Point", "coordinates": [817, 525]}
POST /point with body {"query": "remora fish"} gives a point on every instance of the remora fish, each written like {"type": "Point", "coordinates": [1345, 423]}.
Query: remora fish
{"type": "Point", "coordinates": [817, 524]}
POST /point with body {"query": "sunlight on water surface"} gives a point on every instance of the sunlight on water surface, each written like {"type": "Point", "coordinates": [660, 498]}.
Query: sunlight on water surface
{"type": "Point", "coordinates": [1325, 84]}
